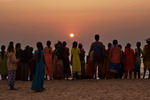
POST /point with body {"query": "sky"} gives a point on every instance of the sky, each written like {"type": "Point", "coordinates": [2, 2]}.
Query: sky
{"type": "Point", "coordinates": [30, 21]}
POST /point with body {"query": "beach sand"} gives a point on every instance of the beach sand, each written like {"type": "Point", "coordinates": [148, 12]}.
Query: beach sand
{"type": "Point", "coordinates": [80, 90]}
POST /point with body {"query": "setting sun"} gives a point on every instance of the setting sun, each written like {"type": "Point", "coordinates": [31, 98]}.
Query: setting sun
{"type": "Point", "coordinates": [71, 35]}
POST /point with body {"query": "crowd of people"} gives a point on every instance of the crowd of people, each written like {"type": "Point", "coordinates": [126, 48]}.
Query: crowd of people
{"type": "Point", "coordinates": [52, 64]}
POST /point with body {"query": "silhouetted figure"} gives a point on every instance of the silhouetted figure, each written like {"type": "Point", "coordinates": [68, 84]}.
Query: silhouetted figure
{"type": "Point", "coordinates": [12, 66]}
{"type": "Point", "coordinates": [11, 43]}
{"type": "Point", "coordinates": [129, 61]}
{"type": "Point", "coordinates": [115, 59]}
{"type": "Point", "coordinates": [48, 60]}
{"type": "Point", "coordinates": [82, 59]}
{"type": "Point", "coordinates": [25, 63]}
{"type": "Point", "coordinates": [3, 63]}
{"type": "Point", "coordinates": [55, 61]}
{"type": "Point", "coordinates": [38, 79]}
{"type": "Point", "coordinates": [18, 56]}
{"type": "Point", "coordinates": [98, 55]}
{"type": "Point", "coordinates": [90, 65]}
{"type": "Point", "coordinates": [58, 61]}
{"type": "Point", "coordinates": [66, 63]}
{"type": "Point", "coordinates": [75, 60]}
{"type": "Point", "coordinates": [106, 73]}
{"type": "Point", "coordinates": [138, 55]}
{"type": "Point", "coordinates": [122, 70]}
{"type": "Point", "coordinates": [32, 64]}
{"type": "Point", "coordinates": [146, 57]}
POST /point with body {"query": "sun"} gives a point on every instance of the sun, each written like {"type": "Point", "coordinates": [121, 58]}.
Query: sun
{"type": "Point", "coordinates": [71, 35]}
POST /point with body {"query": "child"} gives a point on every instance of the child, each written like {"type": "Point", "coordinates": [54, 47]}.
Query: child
{"type": "Point", "coordinates": [138, 53]}
{"type": "Point", "coordinates": [12, 66]}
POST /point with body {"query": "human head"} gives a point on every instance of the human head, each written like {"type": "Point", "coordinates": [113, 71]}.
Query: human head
{"type": "Point", "coordinates": [59, 44]}
{"type": "Point", "coordinates": [48, 43]}
{"type": "Point", "coordinates": [18, 45]}
{"type": "Point", "coordinates": [120, 46]}
{"type": "Point", "coordinates": [39, 46]}
{"type": "Point", "coordinates": [128, 45]}
{"type": "Point", "coordinates": [56, 46]}
{"type": "Point", "coordinates": [27, 47]}
{"type": "Point", "coordinates": [97, 37]}
{"type": "Point", "coordinates": [31, 49]}
{"type": "Point", "coordinates": [138, 44]}
{"type": "Point", "coordinates": [80, 46]}
{"type": "Point", "coordinates": [109, 45]}
{"type": "Point", "coordinates": [11, 48]}
{"type": "Point", "coordinates": [3, 48]}
{"type": "Point", "coordinates": [74, 44]}
{"type": "Point", "coordinates": [11, 43]}
{"type": "Point", "coordinates": [64, 43]}
{"type": "Point", "coordinates": [115, 42]}
{"type": "Point", "coordinates": [148, 41]}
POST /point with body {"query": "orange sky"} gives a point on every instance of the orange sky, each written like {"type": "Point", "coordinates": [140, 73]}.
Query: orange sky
{"type": "Point", "coordinates": [29, 21]}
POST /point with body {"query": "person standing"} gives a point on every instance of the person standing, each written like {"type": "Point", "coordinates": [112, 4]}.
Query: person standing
{"type": "Point", "coordinates": [146, 57]}
{"type": "Point", "coordinates": [38, 79]}
{"type": "Point", "coordinates": [48, 61]}
{"type": "Point", "coordinates": [106, 68]}
{"type": "Point", "coordinates": [60, 67]}
{"type": "Point", "coordinates": [122, 70]}
{"type": "Point", "coordinates": [98, 55]}
{"type": "Point", "coordinates": [89, 66]}
{"type": "Point", "coordinates": [3, 63]}
{"type": "Point", "coordinates": [66, 64]}
{"type": "Point", "coordinates": [75, 60]}
{"type": "Point", "coordinates": [32, 64]}
{"type": "Point", "coordinates": [12, 66]}
{"type": "Point", "coordinates": [18, 56]}
{"type": "Point", "coordinates": [138, 55]}
{"type": "Point", "coordinates": [115, 59]}
{"type": "Point", "coordinates": [82, 56]}
{"type": "Point", "coordinates": [129, 61]}
{"type": "Point", "coordinates": [25, 63]}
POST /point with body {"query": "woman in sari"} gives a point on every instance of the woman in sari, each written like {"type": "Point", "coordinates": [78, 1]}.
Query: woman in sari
{"type": "Point", "coordinates": [48, 60]}
{"type": "Point", "coordinates": [129, 61]}
{"type": "Point", "coordinates": [38, 79]}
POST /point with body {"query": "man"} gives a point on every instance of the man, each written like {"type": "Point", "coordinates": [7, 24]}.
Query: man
{"type": "Point", "coordinates": [98, 49]}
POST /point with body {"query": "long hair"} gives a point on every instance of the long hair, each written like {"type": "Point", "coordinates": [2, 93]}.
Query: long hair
{"type": "Point", "coordinates": [129, 47]}
{"type": "Point", "coordinates": [49, 45]}
{"type": "Point", "coordinates": [18, 45]}
{"type": "Point", "coordinates": [40, 48]}
{"type": "Point", "coordinates": [74, 45]}
{"type": "Point", "coordinates": [3, 51]}
{"type": "Point", "coordinates": [10, 48]}
{"type": "Point", "coordinates": [138, 44]}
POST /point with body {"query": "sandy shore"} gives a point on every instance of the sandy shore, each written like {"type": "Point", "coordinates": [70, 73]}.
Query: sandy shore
{"type": "Point", "coordinates": [80, 90]}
